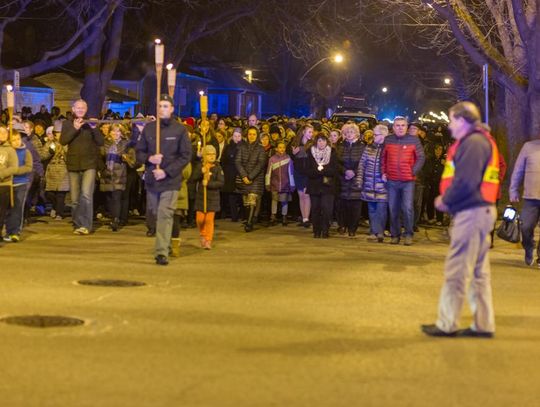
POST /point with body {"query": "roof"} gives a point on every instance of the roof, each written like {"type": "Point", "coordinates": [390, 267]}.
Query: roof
{"type": "Point", "coordinates": [31, 83]}
{"type": "Point", "coordinates": [227, 78]}
{"type": "Point", "coordinates": [117, 97]}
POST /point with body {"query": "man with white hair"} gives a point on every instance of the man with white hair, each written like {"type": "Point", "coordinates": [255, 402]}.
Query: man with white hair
{"type": "Point", "coordinates": [83, 140]}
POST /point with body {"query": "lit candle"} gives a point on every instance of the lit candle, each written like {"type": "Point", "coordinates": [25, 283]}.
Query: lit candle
{"type": "Point", "coordinates": [10, 96]}
{"type": "Point", "coordinates": [160, 52]}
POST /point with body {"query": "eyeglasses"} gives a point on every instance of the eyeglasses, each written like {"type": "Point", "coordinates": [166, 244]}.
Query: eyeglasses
{"type": "Point", "coordinates": [379, 134]}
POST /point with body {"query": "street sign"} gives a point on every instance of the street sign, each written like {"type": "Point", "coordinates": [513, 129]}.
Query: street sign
{"type": "Point", "coordinates": [16, 80]}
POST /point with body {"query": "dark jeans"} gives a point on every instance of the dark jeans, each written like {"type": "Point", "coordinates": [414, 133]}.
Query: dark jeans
{"type": "Point", "coordinates": [322, 206]}
{"type": "Point", "coordinates": [378, 214]}
{"type": "Point", "coordinates": [58, 201]}
{"type": "Point", "coordinates": [433, 192]}
{"type": "Point", "coordinates": [114, 203]}
{"type": "Point", "coordinates": [16, 212]}
{"type": "Point", "coordinates": [400, 202]}
{"type": "Point", "coordinates": [4, 205]}
{"type": "Point", "coordinates": [351, 211]}
{"type": "Point", "coordinates": [530, 215]}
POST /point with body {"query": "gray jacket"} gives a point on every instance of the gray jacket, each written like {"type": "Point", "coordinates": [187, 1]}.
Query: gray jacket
{"type": "Point", "coordinates": [527, 170]}
{"type": "Point", "coordinates": [9, 163]}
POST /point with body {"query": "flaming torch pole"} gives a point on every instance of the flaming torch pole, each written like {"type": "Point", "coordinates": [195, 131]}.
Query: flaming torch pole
{"type": "Point", "coordinates": [10, 96]}
{"type": "Point", "coordinates": [160, 56]}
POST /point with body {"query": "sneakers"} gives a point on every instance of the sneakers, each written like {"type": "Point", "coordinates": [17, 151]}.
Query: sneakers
{"type": "Point", "coordinates": [529, 257]}
{"type": "Point", "coordinates": [408, 241]}
{"type": "Point", "coordinates": [58, 217]}
{"type": "Point", "coordinates": [380, 239]}
{"type": "Point", "coordinates": [12, 238]}
{"type": "Point", "coordinates": [53, 213]}
{"type": "Point", "coordinates": [82, 231]}
{"type": "Point", "coordinates": [394, 240]}
{"type": "Point", "coordinates": [372, 238]}
{"type": "Point", "coordinates": [208, 245]}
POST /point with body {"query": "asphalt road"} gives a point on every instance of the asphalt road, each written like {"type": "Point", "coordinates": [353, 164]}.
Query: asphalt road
{"type": "Point", "coordinates": [270, 318]}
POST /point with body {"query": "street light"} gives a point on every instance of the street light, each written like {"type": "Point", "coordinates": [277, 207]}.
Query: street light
{"type": "Point", "coordinates": [384, 89]}
{"type": "Point", "coordinates": [338, 59]}
{"type": "Point", "coordinates": [447, 81]}
{"type": "Point", "coordinates": [249, 74]}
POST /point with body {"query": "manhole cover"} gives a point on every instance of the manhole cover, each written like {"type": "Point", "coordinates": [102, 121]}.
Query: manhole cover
{"type": "Point", "coordinates": [42, 321]}
{"type": "Point", "coordinates": [112, 283]}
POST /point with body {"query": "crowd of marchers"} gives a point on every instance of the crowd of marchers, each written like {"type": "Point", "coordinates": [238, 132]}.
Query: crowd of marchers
{"type": "Point", "coordinates": [326, 177]}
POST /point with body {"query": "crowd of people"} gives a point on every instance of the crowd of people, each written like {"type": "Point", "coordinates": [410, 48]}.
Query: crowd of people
{"type": "Point", "coordinates": [316, 173]}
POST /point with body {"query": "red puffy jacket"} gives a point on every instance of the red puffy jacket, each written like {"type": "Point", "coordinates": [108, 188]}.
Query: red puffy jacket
{"type": "Point", "coordinates": [402, 157]}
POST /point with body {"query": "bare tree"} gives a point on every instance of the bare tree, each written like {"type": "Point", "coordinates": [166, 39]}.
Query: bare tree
{"type": "Point", "coordinates": [502, 33]}
{"type": "Point", "coordinates": [60, 51]}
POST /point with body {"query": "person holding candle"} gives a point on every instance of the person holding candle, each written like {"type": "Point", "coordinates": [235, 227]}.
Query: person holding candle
{"type": "Point", "coordinates": [208, 175]}
{"type": "Point", "coordinates": [21, 182]}
{"type": "Point", "coordinates": [163, 172]}
{"type": "Point", "coordinates": [9, 165]}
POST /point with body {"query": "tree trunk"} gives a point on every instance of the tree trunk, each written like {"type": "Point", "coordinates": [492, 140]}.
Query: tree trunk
{"type": "Point", "coordinates": [97, 75]}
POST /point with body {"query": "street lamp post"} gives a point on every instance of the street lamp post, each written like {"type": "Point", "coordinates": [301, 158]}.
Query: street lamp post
{"type": "Point", "coordinates": [338, 59]}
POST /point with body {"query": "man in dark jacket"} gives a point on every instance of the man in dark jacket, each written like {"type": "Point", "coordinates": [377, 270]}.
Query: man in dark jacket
{"type": "Point", "coordinates": [403, 157]}
{"type": "Point", "coordinates": [163, 172]}
{"type": "Point", "coordinates": [83, 140]}
{"type": "Point", "coordinates": [469, 189]}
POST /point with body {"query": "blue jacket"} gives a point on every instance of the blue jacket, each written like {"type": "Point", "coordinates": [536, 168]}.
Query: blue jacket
{"type": "Point", "coordinates": [369, 175]}
{"type": "Point", "coordinates": [24, 172]}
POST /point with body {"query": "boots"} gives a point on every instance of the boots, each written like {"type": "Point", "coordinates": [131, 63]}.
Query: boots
{"type": "Point", "coordinates": [175, 247]}
{"type": "Point", "coordinates": [114, 224]}
{"type": "Point", "coordinates": [249, 223]}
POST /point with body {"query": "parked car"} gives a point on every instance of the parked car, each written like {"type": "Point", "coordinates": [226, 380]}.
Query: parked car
{"type": "Point", "coordinates": [357, 117]}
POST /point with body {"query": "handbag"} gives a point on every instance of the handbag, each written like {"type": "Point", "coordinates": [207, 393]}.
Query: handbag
{"type": "Point", "coordinates": [510, 227]}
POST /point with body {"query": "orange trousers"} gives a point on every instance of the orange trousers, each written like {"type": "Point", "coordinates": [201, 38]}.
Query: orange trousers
{"type": "Point", "coordinates": [205, 223]}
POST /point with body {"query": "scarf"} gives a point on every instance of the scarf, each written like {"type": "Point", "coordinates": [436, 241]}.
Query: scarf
{"type": "Point", "coordinates": [322, 157]}
{"type": "Point", "coordinates": [113, 156]}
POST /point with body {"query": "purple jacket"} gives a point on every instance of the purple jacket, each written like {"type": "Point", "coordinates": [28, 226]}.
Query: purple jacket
{"type": "Point", "coordinates": [279, 174]}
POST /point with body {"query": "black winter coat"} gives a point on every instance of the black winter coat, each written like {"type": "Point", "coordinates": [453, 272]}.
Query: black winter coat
{"type": "Point", "coordinates": [228, 165]}
{"type": "Point", "coordinates": [321, 182]}
{"type": "Point", "coordinates": [176, 150]}
{"type": "Point", "coordinates": [215, 183]}
{"type": "Point", "coordinates": [251, 162]}
{"type": "Point", "coordinates": [82, 145]}
{"type": "Point", "coordinates": [349, 155]}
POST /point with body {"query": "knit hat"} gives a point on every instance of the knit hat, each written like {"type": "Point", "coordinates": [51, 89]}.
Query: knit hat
{"type": "Point", "coordinates": [190, 121]}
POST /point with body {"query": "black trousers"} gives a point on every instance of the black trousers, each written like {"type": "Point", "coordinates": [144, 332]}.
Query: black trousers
{"type": "Point", "coordinates": [235, 205]}
{"type": "Point", "coordinates": [351, 211]}
{"type": "Point", "coordinates": [57, 200]}
{"type": "Point", "coordinates": [4, 205]}
{"type": "Point", "coordinates": [322, 206]}
{"type": "Point", "coordinates": [114, 203]}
